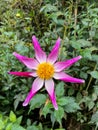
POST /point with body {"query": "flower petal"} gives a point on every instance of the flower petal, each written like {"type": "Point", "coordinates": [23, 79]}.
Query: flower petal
{"type": "Point", "coordinates": [39, 53]}
{"type": "Point", "coordinates": [54, 53]}
{"type": "Point", "coordinates": [67, 78]}
{"type": "Point", "coordinates": [37, 84]}
{"type": "Point", "coordinates": [59, 66]}
{"type": "Point", "coordinates": [23, 74]}
{"type": "Point", "coordinates": [29, 62]}
{"type": "Point", "coordinates": [49, 85]}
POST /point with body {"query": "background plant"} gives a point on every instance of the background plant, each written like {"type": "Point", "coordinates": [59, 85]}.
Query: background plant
{"type": "Point", "coordinates": [76, 22]}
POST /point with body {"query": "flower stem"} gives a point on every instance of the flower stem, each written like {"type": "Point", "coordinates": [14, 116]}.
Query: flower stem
{"type": "Point", "coordinates": [61, 49]}
{"type": "Point", "coordinates": [75, 17]}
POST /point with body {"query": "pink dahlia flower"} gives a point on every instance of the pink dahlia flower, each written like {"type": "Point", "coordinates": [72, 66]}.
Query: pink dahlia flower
{"type": "Point", "coordinates": [45, 69]}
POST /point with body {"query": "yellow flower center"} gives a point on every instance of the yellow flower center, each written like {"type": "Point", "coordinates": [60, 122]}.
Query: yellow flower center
{"type": "Point", "coordinates": [45, 70]}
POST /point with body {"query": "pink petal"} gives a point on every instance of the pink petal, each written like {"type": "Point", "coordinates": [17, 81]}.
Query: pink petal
{"type": "Point", "coordinates": [67, 78]}
{"type": "Point", "coordinates": [37, 84]}
{"type": "Point", "coordinates": [39, 53]}
{"type": "Point", "coordinates": [54, 53]}
{"type": "Point", "coordinates": [49, 85]}
{"type": "Point", "coordinates": [29, 62]}
{"type": "Point", "coordinates": [59, 66]}
{"type": "Point", "coordinates": [23, 74]}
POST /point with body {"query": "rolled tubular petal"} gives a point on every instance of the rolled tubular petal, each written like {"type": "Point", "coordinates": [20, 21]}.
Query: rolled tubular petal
{"type": "Point", "coordinates": [37, 84]}
{"type": "Point", "coordinates": [49, 85]}
{"type": "Point", "coordinates": [54, 53]}
{"type": "Point", "coordinates": [59, 66]}
{"type": "Point", "coordinates": [39, 53]}
{"type": "Point", "coordinates": [67, 78]}
{"type": "Point", "coordinates": [22, 74]}
{"type": "Point", "coordinates": [29, 62]}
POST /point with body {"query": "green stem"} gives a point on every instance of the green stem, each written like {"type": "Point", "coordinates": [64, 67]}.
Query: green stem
{"type": "Point", "coordinates": [96, 127]}
{"type": "Point", "coordinates": [61, 49]}
{"type": "Point", "coordinates": [75, 17]}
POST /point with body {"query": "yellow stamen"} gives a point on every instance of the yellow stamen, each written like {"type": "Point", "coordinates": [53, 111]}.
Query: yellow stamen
{"type": "Point", "coordinates": [45, 70]}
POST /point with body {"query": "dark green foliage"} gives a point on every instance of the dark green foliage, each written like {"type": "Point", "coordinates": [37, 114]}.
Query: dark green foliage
{"type": "Point", "coordinates": [76, 22]}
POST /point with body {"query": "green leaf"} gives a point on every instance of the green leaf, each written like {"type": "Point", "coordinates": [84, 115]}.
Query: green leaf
{"type": "Point", "coordinates": [84, 43]}
{"type": "Point", "coordinates": [80, 43]}
{"type": "Point", "coordinates": [83, 75]}
{"type": "Point", "coordinates": [94, 74]}
{"type": "Point", "coordinates": [94, 118]}
{"type": "Point", "coordinates": [20, 47]}
{"type": "Point", "coordinates": [60, 129]}
{"type": "Point", "coordinates": [86, 53]}
{"type": "Point", "coordinates": [48, 8]}
{"type": "Point", "coordinates": [37, 101]}
{"type": "Point", "coordinates": [19, 119]}
{"type": "Point", "coordinates": [71, 105]}
{"type": "Point", "coordinates": [17, 127]}
{"type": "Point", "coordinates": [95, 58]}
{"type": "Point", "coordinates": [12, 117]}
{"type": "Point", "coordinates": [91, 105]}
{"type": "Point", "coordinates": [59, 114]}
{"type": "Point", "coordinates": [33, 127]}
{"type": "Point", "coordinates": [78, 97]}
{"type": "Point", "coordinates": [70, 91]}
{"type": "Point", "coordinates": [1, 124]}
{"type": "Point", "coordinates": [96, 89]}
{"type": "Point", "coordinates": [54, 17]}
{"type": "Point", "coordinates": [9, 126]}
{"type": "Point", "coordinates": [60, 89]}
{"type": "Point", "coordinates": [46, 110]}
{"type": "Point", "coordinates": [63, 101]}
{"type": "Point", "coordinates": [75, 45]}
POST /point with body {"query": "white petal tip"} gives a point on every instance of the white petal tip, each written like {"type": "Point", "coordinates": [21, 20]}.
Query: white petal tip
{"type": "Point", "coordinates": [80, 57]}
{"type": "Point", "coordinates": [24, 104]}
{"type": "Point", "coordinates": [83, 81]}
{"type": "Point", "coordinates": [56, 108]}
{"type": "Point", "coordinates": [33, 37]}
{"type": "Point", "coordinates": [14, 53]}
{"type": "Point", "coordinates": [59, 38]}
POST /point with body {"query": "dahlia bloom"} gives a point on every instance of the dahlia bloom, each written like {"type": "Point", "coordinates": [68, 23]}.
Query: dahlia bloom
{"type": "Point", "coordinates": [45, 69]}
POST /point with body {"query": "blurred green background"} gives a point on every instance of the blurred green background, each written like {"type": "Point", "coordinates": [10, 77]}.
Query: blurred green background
{"type": "Point", "coordinates": [76, 22]}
